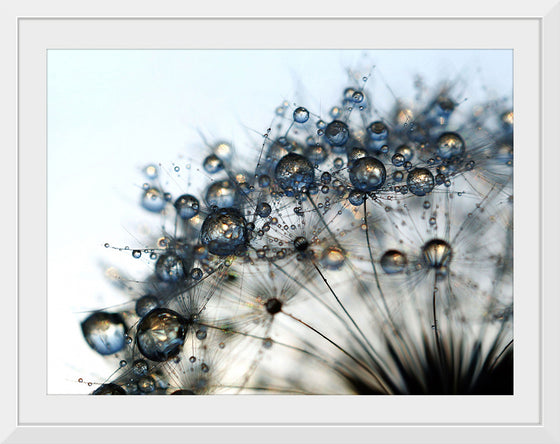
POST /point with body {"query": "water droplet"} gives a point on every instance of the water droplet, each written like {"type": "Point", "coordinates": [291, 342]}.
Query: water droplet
{"type": "Point", "coordinates": [201, 334]}
{"type": "Point", "coordinates": [420, 181]}
{"type": "Point", "coordinates": [264, 181]}
{"type": "Point", "coordinates": [450, 145]}
{"type": "Point", "coordinates": [337, 133]}
{"type": "Point", "coordinates": [367, 174]}
{"type": "Point", "coordinates": [503, 153]}
{"type": "Point", "coordinates": [356, 197]}
{"type": "Point", "coordinates": [397, 160]}
{"type": "Point", "coordinates": [335, 112]}
{"type": "Point", "coordinates": [153, 200]}
{"type": "Point", "coordinates": [301, 115]}
{"type": "Point", "coordinates": [436, 253]}
{"type": "Point", "coordinates": [151, 172]}
{"type": "Point", "coordinates": [104, 332]}
{"type": "Point", "coordinates": [187, 206]}
{"type": "Point", "coordinates": [221, 194]}
{"type": "Point", "coordinates": [316, 154]}
{"type": "Point", "coordinates": [196, 274]}
{"type": "Point", "coordinates": [170, 268]}
{"type": "Point", "coordinates": [398, 176]}
{"type": "Point", "coordinates": [177, 169]}
{"type": "Point", "coordinates": [183, 392]}
{"type": "Point", "coordinates": [140, 367]}
{"type": "Point", "coordinates": [145, 304]}
{"type": "Point", "coordinates": [192, 359]}
{"type": "Point", "coordinates": [212, 164]}
{"type": "Point", "coordinates": [332, 258]}
{"type": "Point", "coordinates": [224, 151]}
{"type": "Point", "coordinates": [406, 152]}
{"type": "Point", "coordinates": [136, 254]}
{"type": "Point", "coordinates": [294, 172]}
{"type": "Point", "coordinates": [358, 97]}
{"type": "Point", "coordinates": [393, 261]}
{"type": "Point", "coordinates": [108, 389]}
{"type": "Point", "coordinates": [224, 232]}
{"type": "Point", "coordinates": [204, 368]}
{"type": "Point", "coordinates": [106, 245]}
{"type": "Point", "coordinates": [378, 131]}
{"type": "Point", "coordinates": [146, 384]}
{"type": "Point", "coordinates": [445, 106]}
{"type": "Point", "coordinates": [326, 177]}
{"type": "Point", "coordinates": [161, 334]}
{"type": "Point", "coordinates": [123, 363]}
{"type": "Point", "coordinates": [507, 119]}
{"type": "Point", "coordinates": [263, 209]}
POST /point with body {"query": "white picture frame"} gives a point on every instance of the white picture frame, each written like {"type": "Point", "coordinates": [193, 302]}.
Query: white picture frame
{"type": "Point", "coordinates": [530, 416]}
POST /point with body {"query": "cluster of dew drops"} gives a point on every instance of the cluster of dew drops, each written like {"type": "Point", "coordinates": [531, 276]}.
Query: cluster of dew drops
{"type": "Point", "coordinates": [304, 200]}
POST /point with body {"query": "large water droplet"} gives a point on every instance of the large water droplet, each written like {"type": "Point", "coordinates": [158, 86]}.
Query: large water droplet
{"type": "Point", "coordinates": [294, 172]}
{"type": "Point", "coordinates": [224, 232]}
{"type": "Point", "coordinates": [450, 145]}
{"type": "Point", "coordinates": [437, 253]}
{"type": "Point", "coordinates": [337, 133]}
{"type": "Point", "coordinates": [170, 268]}
{"type": "Point", "coordinates": [161, 334]}
{"type": "Point", "coordinates": [420, 181]}
{"type": "Point", "coordinates": [367, 174]}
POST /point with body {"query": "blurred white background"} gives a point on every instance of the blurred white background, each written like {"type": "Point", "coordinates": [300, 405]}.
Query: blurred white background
{"type": "Point", "coordinates": [112, 112]}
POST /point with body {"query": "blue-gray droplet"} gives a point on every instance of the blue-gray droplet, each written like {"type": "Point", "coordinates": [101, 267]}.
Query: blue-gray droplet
{"type": "Point", "coordinates": [161, 334]}
{"type": "Point", "coordinates": [105, 332]}
{"type": "Point", "coordinates": [367, 174]}
{"type": "Point", "coordinates": [224, 232]}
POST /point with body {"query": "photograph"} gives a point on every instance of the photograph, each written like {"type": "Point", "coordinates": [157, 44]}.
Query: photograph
{"type": "Point", "coordinates": [280, 222]}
